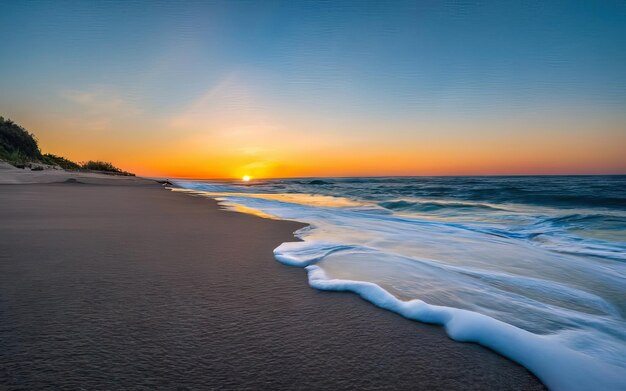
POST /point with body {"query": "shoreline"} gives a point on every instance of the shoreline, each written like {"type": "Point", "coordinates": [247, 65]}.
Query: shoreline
{"type": "Point", "coordinates": [535, 351]}
{"type": "Point", "coordinates": [162, 289]}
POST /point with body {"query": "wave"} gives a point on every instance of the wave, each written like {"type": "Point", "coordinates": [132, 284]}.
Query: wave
{"type": "Point", "coordinates": [586, 221]}
{"type": "Point", "coordinates": [558, 368]}
{"type": "Point", "coordinates": [402, 205]}
{"type": "Point", "coordinates": [512, 288]}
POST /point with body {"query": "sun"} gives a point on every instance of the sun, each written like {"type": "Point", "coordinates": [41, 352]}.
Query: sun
{"type": "Point", "coordinates": [246, 178]}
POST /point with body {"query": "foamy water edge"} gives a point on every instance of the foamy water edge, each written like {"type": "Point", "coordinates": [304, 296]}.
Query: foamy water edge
{"type": "Point", "coordinates": [558, 367]}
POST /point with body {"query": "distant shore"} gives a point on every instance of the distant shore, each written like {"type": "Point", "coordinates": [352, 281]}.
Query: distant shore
{"type": "Point", "coordinates": [114, 282]}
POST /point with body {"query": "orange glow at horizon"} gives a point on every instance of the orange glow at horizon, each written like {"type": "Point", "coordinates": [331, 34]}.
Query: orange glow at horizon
{"type": "Point", "coordinates": [224, 90]}
{"type": "Point", "coordinates": [493, 158]}
{"type": "Point", "coordinates": [448, 160]}
{"type": "Point", "coordinates": [192, 146]}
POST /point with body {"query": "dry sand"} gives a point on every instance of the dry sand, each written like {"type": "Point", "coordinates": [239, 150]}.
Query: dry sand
{"type": "Point", "coordinates": [117, 283]}
{"type": "Point", "coordinates": [10, 175]}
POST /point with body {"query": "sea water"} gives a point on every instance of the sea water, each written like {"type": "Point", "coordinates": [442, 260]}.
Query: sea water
{"type": "Point", "coordinates": [531, 267]}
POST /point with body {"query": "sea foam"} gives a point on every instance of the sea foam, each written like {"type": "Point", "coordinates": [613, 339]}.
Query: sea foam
{"type": "Point", "coordinates": [490, 282]}
{"type": "Point", "coordinates": [558, 367]}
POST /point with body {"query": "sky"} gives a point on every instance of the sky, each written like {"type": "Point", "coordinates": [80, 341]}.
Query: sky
{"type": "Point", "coordinates": [222, 89]}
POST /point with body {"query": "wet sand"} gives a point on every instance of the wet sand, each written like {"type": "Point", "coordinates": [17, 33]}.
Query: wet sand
{"type": "Point", "coordinates": [121, 284]}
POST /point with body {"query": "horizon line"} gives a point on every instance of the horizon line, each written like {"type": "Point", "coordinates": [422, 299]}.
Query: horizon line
{"type": "Point", "coordinates": [382, 176]}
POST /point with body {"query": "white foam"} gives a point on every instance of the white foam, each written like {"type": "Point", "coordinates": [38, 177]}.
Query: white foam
{"type": "Point", "coordinates": [558, 315]}
{"type": "Point", "coordinates": [558, 367]}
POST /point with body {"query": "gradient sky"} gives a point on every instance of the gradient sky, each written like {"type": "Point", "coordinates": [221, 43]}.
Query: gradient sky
{"type": "Point", "coordinates": [318, 88]}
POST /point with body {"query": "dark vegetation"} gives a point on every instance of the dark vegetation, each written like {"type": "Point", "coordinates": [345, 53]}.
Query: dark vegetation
{"type": "Point", "coordinates": [21, 149]}
{"type": "Point", "coordinates": [16, 144]}
{"type": "Point", "coordinates": [97, 165]}
{"type": "Point", "coordinates": [60, 161]}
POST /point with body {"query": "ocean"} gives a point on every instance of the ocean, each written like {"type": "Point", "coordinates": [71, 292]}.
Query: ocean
{"type": "Point", "coordinates": [532, 267]}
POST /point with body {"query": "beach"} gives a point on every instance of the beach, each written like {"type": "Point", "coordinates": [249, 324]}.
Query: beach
{"type": "Point", "coordinates": [117, 283]}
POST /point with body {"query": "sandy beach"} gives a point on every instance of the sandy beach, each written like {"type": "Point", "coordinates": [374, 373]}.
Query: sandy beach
{"type": "Point", "coordinates": [118, 283]}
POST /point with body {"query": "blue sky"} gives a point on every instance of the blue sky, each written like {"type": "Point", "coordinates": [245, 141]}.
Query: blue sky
{"type": "Point", "coordinates": [341, 65]}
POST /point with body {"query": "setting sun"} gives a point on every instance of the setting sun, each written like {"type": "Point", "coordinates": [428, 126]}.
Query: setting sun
{"type": "Point", "coordinates": [246, 178]}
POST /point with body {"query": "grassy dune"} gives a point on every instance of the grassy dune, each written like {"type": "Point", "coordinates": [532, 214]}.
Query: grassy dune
{"type": "Point", "coordinates": [20, 148]}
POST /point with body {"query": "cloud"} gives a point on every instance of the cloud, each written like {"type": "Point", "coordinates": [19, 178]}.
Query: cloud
{"type": "Point", "coordinates": [230, 108]}
{"type": "Point", "coordinates": [99, 106]}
